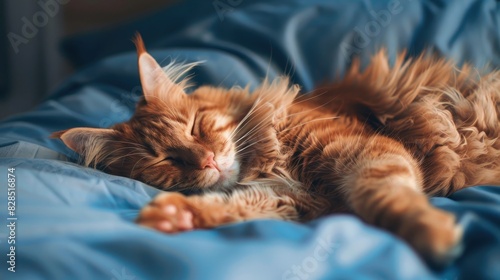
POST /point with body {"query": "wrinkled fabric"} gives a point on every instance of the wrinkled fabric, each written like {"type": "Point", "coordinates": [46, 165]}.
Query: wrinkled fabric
{"type": "Point", "coordinates": [77, 223]}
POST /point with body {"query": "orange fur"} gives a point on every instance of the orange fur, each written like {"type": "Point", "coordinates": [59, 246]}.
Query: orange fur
{"type": "Point", "coordinates": [374, 144]}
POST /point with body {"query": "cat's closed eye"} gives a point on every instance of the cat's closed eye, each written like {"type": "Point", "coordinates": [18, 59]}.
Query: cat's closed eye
{"type": "Point", "coordinates": [169, 159]}
{"type": "Point", "coordinates": [174, 160]}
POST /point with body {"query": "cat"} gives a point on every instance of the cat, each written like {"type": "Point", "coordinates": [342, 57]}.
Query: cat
{"type": "Point", "coordinates": [376, 143]}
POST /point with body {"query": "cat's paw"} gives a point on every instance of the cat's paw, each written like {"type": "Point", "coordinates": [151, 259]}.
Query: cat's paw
{"type": "Point", "coordinates": [168, 212]}
{"type": "Point", "coordinates": [436, 236]}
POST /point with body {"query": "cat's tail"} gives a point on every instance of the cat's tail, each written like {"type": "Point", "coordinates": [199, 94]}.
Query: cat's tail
{"type": "Point", "coordinates": [447, 116]}
{"type": "Point", "coordinates": [388, 90]}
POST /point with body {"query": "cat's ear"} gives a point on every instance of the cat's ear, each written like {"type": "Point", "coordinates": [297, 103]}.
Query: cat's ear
{"type": "Point", "coordinates": [84, 140]}
{"type": "Point", "coordinates": [155, 82]}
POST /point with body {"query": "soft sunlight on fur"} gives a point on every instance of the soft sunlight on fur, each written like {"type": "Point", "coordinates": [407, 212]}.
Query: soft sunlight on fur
{"type": "Point", "coordinates": [375, 143]}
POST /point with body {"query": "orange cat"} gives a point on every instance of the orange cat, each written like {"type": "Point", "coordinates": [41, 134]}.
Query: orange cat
{"type": "Point", "coordinates": [374, 144]}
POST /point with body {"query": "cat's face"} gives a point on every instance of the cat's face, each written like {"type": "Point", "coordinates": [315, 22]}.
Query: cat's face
{"type": "Point", "coordinates": [186, 143]}
{"type": "Point", "coordinates": [209, 139]}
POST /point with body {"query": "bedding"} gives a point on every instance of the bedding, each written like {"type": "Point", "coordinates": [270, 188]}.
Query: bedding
{"type": "Point", "coordinates": [77, 223]}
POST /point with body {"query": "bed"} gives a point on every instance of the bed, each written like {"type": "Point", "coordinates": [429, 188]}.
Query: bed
{"type": "Point", "coordinates": [75, 222]}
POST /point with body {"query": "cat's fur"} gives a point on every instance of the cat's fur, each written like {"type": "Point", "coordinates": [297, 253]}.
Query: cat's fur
{"type": "Point", "coordinates": [374, 144]}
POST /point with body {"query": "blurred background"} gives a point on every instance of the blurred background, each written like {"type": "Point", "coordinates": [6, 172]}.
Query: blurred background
{"type": "Point", "coordinates": [31, 62]}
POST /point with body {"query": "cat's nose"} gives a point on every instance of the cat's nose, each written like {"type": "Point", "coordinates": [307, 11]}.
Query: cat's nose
{"type": "Point", "coordinates": [209, 162]}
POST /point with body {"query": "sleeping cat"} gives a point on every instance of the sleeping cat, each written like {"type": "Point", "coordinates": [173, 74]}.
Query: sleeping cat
{"type": "Point", "coordinates": [376, 144]}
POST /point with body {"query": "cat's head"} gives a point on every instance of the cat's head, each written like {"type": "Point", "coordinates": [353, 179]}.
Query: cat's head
{"type": "Point", "coordinates": [211, 138]}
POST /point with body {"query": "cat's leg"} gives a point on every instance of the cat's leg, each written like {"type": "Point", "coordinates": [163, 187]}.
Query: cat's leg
{"type": "Point", "coordinates": [174, 212]}
{"type": "Point", "coordinates": [383, 185]}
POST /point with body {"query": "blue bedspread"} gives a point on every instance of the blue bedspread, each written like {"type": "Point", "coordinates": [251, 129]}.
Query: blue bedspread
{"type": "Point", "coordinates": [76, 223]}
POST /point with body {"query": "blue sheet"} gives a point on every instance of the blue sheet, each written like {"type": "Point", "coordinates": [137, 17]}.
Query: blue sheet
{"type": "Point", "coordinates": [76, 223]}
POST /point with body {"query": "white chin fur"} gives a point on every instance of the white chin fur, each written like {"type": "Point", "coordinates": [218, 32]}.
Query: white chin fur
{"type": "Point", "coordinates": [228, 177]}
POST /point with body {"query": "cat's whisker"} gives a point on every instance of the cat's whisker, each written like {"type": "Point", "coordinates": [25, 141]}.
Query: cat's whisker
{"type": "Point", "coordinates": [145, 167]}
{"type": "Point", "coordinates": [255, 129]}
{"type": "Point", "coordinates": [126, 142]}
{"type": "Point", "coordinates": [311, 96]}
{"type": "Point", "coordinates": [240, 152]}
{"type": "Point", "coordinates": [239, 125]}
{"type": "Point", "coordinates": [131, 153]}
{"type": "Point", "coordinates": [253, 113]}
{"type": "Point", "coordinates": [250, 133]}
{"type": "Point", "coordinates": [258, 126]}
{"type": "Point", "coordinates": [120, 149]}
{"type": "Point", "coordinates": [247, 135]}
{"type": "Point", "coordinates": [304, 123]}
{"type": "Point", "coordinates": [106, 157]}
{"type": "Point", "coordinates": [243, 121]}
{"type": "Point", "coordinates": [132, 174]}
{"type": "Point", "coordinates": [250, 145]}
{"type": "Point", "coordinates": [124, 156]}
{"type": "Point", "coordinates": [245, 143]}
{"type": "Point", "coordinates": [262, 123]}
{"type": "Point", "coordinates": [227, 76]}
{"type": "Point", "coordinates": [305, 112]}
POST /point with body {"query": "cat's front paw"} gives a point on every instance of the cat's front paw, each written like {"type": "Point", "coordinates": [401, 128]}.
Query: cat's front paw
{"type": "Point", "coordinates": [168, 212]}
